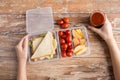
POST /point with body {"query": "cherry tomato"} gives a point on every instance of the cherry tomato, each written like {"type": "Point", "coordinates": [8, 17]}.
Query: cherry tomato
{"type": "Point", "coordinates": [68, 39]}
{"type": "Point", "coordinates": [70, 49]}
{"type": "Point", "coordinates": [69, 43]}
{"type": "Point", "coordinates": [63, 54]}
{"type": "Point", "coordinates": [64, 25]}
{"type": "Point", "coordinates": [60, 22]}
{"type": "Point", "coordinates": [64, 46]}
{"type": "Point", "coordinates": [69, 54]}
{"type": "Point", "coordinates": [62, 41]}
{"type": "Point", "coordinates": [67, 32]}
{"type": "Point", "coordinates": [66, 20]}
{"type": "Point", "coordinates": [60, 33]}
{"type": "Point", "coordinates": [63, 36]}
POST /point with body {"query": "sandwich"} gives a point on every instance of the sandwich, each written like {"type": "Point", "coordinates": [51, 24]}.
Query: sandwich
{"type": "Point", "coordinates": [35, 43]}
{"type": "Point", "coordinates": [43, 47]}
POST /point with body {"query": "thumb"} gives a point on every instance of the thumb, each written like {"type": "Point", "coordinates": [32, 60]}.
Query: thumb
{"type": "Point", "coordinates": [25, 43]}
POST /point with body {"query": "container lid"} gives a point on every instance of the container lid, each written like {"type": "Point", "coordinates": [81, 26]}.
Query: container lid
{"type": "Point", "coordinates": [39, 20]}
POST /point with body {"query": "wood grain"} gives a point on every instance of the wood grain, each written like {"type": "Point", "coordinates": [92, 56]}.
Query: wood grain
{"type": "Point", "coordinates": [62, 69]}
{"type": "Point", "coordinates": [60, 6]}
{"type": "Point", "coordinates": [96, 66]}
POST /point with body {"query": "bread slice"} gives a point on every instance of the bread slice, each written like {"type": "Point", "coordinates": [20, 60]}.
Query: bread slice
{"type": "Point", "coordinates": [35, 43]}
{"type": "Point", "coordinates": [45, 47]}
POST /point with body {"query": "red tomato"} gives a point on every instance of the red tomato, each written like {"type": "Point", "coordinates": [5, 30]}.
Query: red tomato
{"type": "Point", "coordinates": [69, 54]}
{"type": "Point", "coordinates": [66, 20]}
{"type": "Point", "coordinates": [60, 33]}
{"type": "Point", "coordinates": [62, 41]}
{"type": "Point", "coordinates": [63, 36]}
{"type": "Point", "coordinates": [63, 54]}
{"type": "Point", "coordinates": [67, 32]}
{"type": "Point", "coordinates": [68, 39]}
{"type": "Point", "coordinates": [64, 46]}
{"type": "Point", "coordinates": [64, 25]}
{"type": "Point", "coordinates": [69, 43]}
{"type": "Point", "coordinates": [60, 22]}
{"type": "Point", "coordinates": [70, 49]}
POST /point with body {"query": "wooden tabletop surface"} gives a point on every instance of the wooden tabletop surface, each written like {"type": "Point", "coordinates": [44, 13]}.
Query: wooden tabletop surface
{"type": "Point", "coordinates": [96, 66]}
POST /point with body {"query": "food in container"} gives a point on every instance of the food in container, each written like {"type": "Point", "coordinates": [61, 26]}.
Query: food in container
{"type": "Point", "coordinates": [43, 44]}
{"type": "Point", "coordinates": [97, 19]}
{"type": "Point", "coordinates": [79, 41]}
{"type": "Point", "coordinates": [65, 41]}
{"type": "Point", "coordinates": [47, 44]}
{"type": "Point", "coordinates": [78, 38]}
{"type": "Point", "coordinates": [43, 47]}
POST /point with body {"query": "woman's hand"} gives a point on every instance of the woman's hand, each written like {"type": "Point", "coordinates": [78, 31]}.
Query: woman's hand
{"type": "Point", "coordinates": [105, 31]}
{"type": "Point", "coordinates": [22, 49]}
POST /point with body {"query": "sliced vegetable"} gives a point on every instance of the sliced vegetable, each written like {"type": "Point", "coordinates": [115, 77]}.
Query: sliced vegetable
{"type": "Point", "coordinates": [79, 41]}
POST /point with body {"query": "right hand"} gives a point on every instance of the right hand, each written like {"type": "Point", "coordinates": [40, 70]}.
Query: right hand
{"type": "Point", "coordinates": [105, 31]}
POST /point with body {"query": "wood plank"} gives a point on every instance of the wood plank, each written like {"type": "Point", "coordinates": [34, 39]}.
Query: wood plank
{"type": "Point", "coordinates": [63, 69]}
{"type": "Point", "coordinates": [80, 6]}
{"type": "Point", "coordinates": [60, 6]}
{"type": "Point", "coordinates": [96, 66]}
{"type": "Point", "coordinates": [75, 18]}
{"type": "Point", "coordinates": [12, 29]}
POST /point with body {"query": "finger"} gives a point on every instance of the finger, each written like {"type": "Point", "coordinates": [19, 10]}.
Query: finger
{"type": "Point", "coordinates": [94, 29]}
{"type": "Point", "coordinates": [20, 43]}
{"type": "Point", "coordinates": [22, 40]}
{"type": "Point", "coordinates": [25, 43]}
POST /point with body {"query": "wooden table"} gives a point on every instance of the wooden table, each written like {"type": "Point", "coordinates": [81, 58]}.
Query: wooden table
{"type": "Point", "coordinates": [96, 66]}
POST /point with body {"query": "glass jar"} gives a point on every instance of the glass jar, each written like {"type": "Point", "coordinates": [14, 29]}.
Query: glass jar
{"type": "Point", "coordinates": [97, 19]}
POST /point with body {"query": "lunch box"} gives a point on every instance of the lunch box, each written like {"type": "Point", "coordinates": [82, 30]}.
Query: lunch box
{"type": "Point", "coordinates": [84, 31]}
{"type": "Point", "coordinates": [39, 21]}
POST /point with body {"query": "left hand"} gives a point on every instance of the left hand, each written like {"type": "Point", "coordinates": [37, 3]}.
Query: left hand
{"type": "Point", "coordinates": [22, 49]}
{"type": "Point", "coordinates": [105, 31]}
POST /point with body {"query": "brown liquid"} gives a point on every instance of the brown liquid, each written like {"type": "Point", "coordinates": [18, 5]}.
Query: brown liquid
{"type": "Point", "coordinates": [97, 19]}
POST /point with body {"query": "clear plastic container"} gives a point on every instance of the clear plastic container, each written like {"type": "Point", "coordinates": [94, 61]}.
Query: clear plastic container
{"type": "Point", "coordinates": [55, 56]}
{"type": "Point", "coordinates": [87, 44]}
{"type": "Point", "coordinates": [39, 21]}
